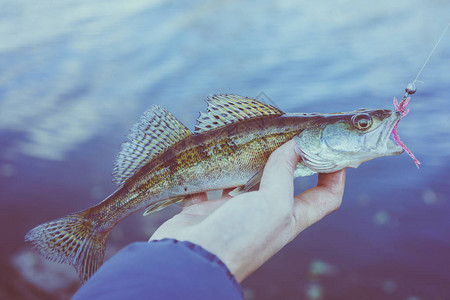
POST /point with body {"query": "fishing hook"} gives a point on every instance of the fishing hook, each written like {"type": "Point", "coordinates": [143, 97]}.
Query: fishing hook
{"type": "Point", "coordinates": [411, 87]}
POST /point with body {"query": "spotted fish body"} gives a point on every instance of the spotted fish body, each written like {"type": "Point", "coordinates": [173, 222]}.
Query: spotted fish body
{"type": "Point", "coordinates": [164, 162]}
{"type": "Point", "coordinates": [229, 156]}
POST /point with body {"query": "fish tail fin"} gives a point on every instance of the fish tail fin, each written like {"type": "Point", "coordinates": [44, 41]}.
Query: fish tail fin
{"type": "Point", "coordinates": [72, 239]}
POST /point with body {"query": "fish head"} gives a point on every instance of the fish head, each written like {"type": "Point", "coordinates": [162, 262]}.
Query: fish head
{"type": "Point", "coordinates": [341, 140]}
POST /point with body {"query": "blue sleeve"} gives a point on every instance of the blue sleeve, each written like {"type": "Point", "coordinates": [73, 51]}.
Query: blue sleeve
{"type": "Point", "coordinates": [165, 269]}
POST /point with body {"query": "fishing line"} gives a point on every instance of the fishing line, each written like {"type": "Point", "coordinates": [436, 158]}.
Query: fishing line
{"type": "Point", "coordinates": [411, 87]}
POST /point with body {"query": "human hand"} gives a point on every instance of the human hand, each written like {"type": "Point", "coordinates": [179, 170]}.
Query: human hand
{"type": "Point", "coordinates": [246, 230]}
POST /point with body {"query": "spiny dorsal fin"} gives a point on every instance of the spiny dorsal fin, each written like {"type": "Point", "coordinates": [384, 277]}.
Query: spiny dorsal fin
{"type": "Point", "coordinates": [156, 131]}
{"type": "Point", "coordinates": [227, 109]}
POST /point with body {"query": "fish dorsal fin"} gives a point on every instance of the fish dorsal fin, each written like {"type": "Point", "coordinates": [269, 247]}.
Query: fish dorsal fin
{"type": "Point", "coordinates": [226, 109]}
{"type": "Point", "coordinates": [156, 130]}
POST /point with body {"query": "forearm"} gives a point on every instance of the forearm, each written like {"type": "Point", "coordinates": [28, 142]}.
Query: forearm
{"type": "Point", "coordinates": [165, 269]}
{"type": "Point", "coordinates": [239, 243]}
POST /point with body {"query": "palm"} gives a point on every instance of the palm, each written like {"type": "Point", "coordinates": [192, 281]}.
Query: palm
{"type": "Point", "coordinates": [195, 210]}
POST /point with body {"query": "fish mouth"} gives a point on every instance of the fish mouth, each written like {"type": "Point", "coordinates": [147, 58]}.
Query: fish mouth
{"type": "Point", "coordinates": [386, 138]}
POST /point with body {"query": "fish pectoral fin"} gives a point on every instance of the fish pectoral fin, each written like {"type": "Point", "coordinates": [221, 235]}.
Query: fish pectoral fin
{"type": "Point", "coordinates": [226, 109]}
{"type": "Point", "coordinates": [254, 181]}
{"type": "Point", "coordinates": [158, 205]}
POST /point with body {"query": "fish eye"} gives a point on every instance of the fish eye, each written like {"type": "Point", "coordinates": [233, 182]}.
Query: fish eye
{"type": "Point", "coordinates": [362, 121]}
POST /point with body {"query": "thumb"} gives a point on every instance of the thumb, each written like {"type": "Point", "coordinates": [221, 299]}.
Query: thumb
{"type": "Point", "coordinates": [277, 179]}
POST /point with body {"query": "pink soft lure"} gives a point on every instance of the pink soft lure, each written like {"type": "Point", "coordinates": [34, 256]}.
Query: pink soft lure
{"type": "Point", "coordinates": [401, 107]}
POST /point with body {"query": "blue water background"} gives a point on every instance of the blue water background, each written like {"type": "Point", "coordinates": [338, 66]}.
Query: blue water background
{"type": "Point", "coordinates": [76, 75]}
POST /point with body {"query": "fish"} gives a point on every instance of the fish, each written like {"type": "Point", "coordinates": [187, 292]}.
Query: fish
{"type": "Point", "coordinates": [164, 162]}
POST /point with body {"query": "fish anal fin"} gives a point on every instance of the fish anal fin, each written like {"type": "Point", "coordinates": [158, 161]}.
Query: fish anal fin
{"type": "Point", "coordinates": [155, 132]}
{"type": "Point", "coordinates": [226, 109]}
{"type": "Point", "coordinates": [158, 205]}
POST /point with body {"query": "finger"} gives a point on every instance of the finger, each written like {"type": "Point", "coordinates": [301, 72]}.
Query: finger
{"type": "Point", "coordinates": [203, 209]}
{"type": "Point", "coordinates": [333, 182]}
{"type": "Point", "coordinates": [277, 179]}
{"type": "Point", "coordinates": [194, 199]}
{"type": "Point", "coordinates": [315, 203]}
{"type": "Point", "coordinates": [225, 193]}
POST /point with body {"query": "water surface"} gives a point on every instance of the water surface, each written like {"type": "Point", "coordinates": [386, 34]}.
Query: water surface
{"type": "Point", "coordinates": [75, 76]}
